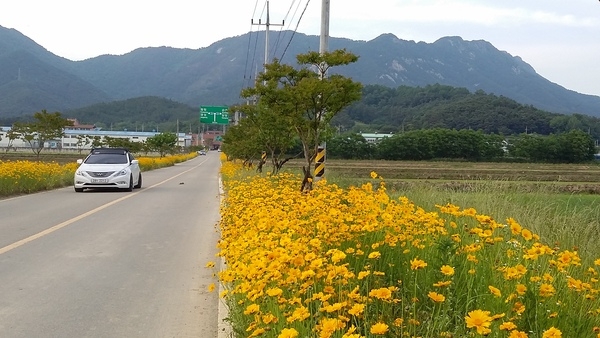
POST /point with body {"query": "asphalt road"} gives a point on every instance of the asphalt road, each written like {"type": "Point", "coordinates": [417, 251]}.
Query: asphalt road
{"type": "Point", "coordinates": [113, 264]}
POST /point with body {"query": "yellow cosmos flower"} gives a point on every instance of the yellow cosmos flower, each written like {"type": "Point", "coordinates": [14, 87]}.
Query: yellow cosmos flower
{"type": "Point", "coordinates": [508, 326]}
{"type": "Point", "coordinates": [357, 309]}
{"type": "Point", "coordinates": [547, 290]}
{"type": "Point", "coordinates": [211, 287]}
{"type": "Point", "coordinates": [288, 333]}
{"type": "Point", "coordinates": [210, 265]}
{"type": "Point", "coordinates": [252, 308]}
{"type": "Point", "coordinates": [299, 314]}
{"type": "Point", "coordinates": [436, 297]}
{"type": "Point", "coordinates": [447, 270]}
{"type": "Point", "coordinates": [382, 293]}
{"type": "Point", "coordinates": [417, 264]}
{"type": "Point", "coordinates": [517, 334]}
{"type": "Point", "coordinates": [379, 328]}
{"type": "Point", "coordinates": [527, 235]}
{"type": "Point", "coordinates": [552, 333]}
{"type": "Point", "coordinates": [274, 292]}
{"type": "Point", "coordinates": [373, 175]}
{"type": "Point", "coordinates": [479, 320]}
{"type": "Point", "coordinates": [442, 283]}
{"type": "Point", "coordinates": [495, 291]}
{"type": "Point", "coordinates": [374, 254]}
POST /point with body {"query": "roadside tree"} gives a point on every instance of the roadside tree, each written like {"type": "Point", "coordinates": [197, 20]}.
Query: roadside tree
{"type": "Point", "coordinates": [307, 98]}
{"type": "Point", "coordinates": [44, 127]}
{"type": "Point", "coordinates": [163, 143]}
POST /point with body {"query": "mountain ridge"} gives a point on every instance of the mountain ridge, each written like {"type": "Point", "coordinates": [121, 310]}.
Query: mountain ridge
{"type": "Point", "coordinates": [215, 75]}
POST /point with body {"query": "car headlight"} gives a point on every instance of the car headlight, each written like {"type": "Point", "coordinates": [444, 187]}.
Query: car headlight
{"type": "Point", "coordinates": [122, 173]}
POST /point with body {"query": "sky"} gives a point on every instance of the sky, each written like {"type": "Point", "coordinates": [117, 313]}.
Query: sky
{"type": "Point", "coordinates": [560, 39]}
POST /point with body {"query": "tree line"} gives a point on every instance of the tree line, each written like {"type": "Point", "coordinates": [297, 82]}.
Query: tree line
{"type": "Point", "coordinates": [574, 146]}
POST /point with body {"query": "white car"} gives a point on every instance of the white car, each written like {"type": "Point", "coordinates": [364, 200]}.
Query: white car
{"type": "Point", "coordinates": [108, 168]}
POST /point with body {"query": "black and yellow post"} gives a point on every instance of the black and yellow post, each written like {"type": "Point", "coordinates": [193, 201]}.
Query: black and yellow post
{"type": "Point", "coordinates": [263, 157]}
{"type": "Point", "coordinates": [320, 163]}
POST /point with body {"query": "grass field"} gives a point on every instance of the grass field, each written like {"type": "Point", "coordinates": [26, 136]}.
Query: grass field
{"type": "Point", "coordinates": [561, 202]}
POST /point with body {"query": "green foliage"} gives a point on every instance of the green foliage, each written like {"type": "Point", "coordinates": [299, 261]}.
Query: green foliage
{"type": "Point", "coordinates": [306, 100]}
{"type": "Point", "coordinates": [441, 143]}
{"type": "Point", "coordinates": [574, 146]}
{"type": "Point", "coordinates": [349, 146]}
{"type": "Point", "coordinates": [44, 127]}
{"type": "Point", "coordinates": [404, 108]}
{"type": "Point", "coordinates": [162, 143]}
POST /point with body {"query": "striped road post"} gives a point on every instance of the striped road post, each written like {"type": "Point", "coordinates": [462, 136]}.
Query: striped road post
{"type": "Point", "coordinates": [320, 163]}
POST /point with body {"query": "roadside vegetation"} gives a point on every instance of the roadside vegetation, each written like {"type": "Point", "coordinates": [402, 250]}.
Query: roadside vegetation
{"type": "Point", "coordinates": [361, 259]}
{"type": "Point", "coordinates": [25, 177]}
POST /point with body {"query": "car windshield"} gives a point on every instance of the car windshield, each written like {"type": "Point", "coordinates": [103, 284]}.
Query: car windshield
{"type": "Point", "coordinates": [107, 159]}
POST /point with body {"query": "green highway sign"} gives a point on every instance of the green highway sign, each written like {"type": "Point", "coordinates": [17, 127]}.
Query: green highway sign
{"type": "Point", "coordinates": [214, 115]}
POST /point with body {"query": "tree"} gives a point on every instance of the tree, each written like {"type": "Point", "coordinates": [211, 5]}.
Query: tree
{"type": "Point", "coordinates": [307, 98]}
{"type": "Point", "coordinates": [162, 143]}
{"type": "Point", "coordinates": [268, 130]}
{"type": "Point", "coordinates": [45, 127]}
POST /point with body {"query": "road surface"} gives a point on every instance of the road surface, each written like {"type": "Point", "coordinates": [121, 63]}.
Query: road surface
{"type": "Point", "coordinates": [114, 264]}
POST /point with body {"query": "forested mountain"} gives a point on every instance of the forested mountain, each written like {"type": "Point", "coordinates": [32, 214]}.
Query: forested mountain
{"type": "Point", "coordinates": [381, 109]}
{"type": "Point", "coordinates": [388, 110]}
{"type": "Point", "coordinates": [32, 79]}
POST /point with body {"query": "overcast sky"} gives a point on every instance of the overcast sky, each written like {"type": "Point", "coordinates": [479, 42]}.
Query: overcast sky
{"type": "Point", "coordinates": [559, 38]}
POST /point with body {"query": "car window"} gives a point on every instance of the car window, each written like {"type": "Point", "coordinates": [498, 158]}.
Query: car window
{"type": "Point", "coordinates": [107, 159]}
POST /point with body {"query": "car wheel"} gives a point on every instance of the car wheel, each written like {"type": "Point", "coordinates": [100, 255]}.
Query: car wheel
{"type": "Point", "coordinates": [139, 184]}
{"type": "Point", "coordinates": [130, 188]}
{"type": "Point", "coordinates": [78, 189]}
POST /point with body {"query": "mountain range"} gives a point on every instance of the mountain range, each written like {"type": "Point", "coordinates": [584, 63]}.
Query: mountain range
{"type": "Point", "coordinates": [32, 78]}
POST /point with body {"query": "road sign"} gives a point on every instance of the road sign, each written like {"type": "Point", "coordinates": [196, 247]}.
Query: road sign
{"type": "Point", "coordinates": [214, 114]}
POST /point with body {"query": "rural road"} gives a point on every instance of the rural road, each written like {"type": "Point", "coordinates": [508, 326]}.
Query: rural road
{"type": "Point", "coordinates": [114, 264]}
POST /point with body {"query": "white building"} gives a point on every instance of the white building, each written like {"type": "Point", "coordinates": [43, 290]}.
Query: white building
{"type": "Point", "coordinates": [75, 139]}
{"type": "Point", "coordinates": [374, 137]}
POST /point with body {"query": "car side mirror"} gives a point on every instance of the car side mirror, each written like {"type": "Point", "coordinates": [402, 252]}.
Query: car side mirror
{"type": "Point", "coordinates": [79, 161]}
{"type": "Point", "coordinates": [135, 162]}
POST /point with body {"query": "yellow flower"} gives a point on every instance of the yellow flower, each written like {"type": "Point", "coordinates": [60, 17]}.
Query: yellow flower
{"type": "Point", "coordinates": [552, 333]}
{"type": "Point", "coordinates": [495, 291]}
{"type": "Point", "coordinates": [252, 308]}
{"type": "Point", "coordinates": [373, 175]}
{"type": "Point", "coordinates": [210, 265]}
{"type": "Point", "coordinates": [508, 326]}
{"type": "Point", "coordinates": [288, 333]}
{"type": "Point", "coordinates": [480, 320]}
{"type": "Point", "coordinates": [374, 254]}
{"type": "Point", "coordinates": [547, 290]}
{"type": "Point", "coordinates": [357, 309]}
{"type": "Point", "coordinates": [379, 328]}
{"type": "Point", "coordinates": [211, 287]}
{"type": "Point", "coordinates": [273, 292]}
{"type": "Point", "coordinates": [382, 293]}
{"type": "Point", "coordinates": [436, 297]}
{"type": "Point", "coordinates": [517, 334]}
{"type": "Point", "coordinates": [527, 235]}
{"type": "Point", "coordinates": [417, 264]}
{"type": "Point", "coordinates": [447, 270]}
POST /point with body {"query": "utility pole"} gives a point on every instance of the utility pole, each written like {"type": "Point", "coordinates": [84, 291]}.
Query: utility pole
{"type": "Point", "coordinates": [324, 40]}
{"type": "Point", "coordinates": [321, 154]}
{"type": "Point", "coordinates": [267, 25]}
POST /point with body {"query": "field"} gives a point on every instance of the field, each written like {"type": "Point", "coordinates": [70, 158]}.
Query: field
{"type": "Point", "coordinates": [561, 202]}
{"type": "Point", "coordinates": [429, 249]}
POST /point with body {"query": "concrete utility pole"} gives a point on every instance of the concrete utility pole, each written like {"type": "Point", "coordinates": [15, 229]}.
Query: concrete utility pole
{"type": "Point", "coordinates": [324, 41]}
{"type": "Point", "coordinates": [267, 25]}
{"type": "Point", "coordinates": [320, 156]}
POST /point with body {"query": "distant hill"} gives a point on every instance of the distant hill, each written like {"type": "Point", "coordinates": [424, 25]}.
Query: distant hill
{"type": "Point", "coordinates": [31, 78]}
